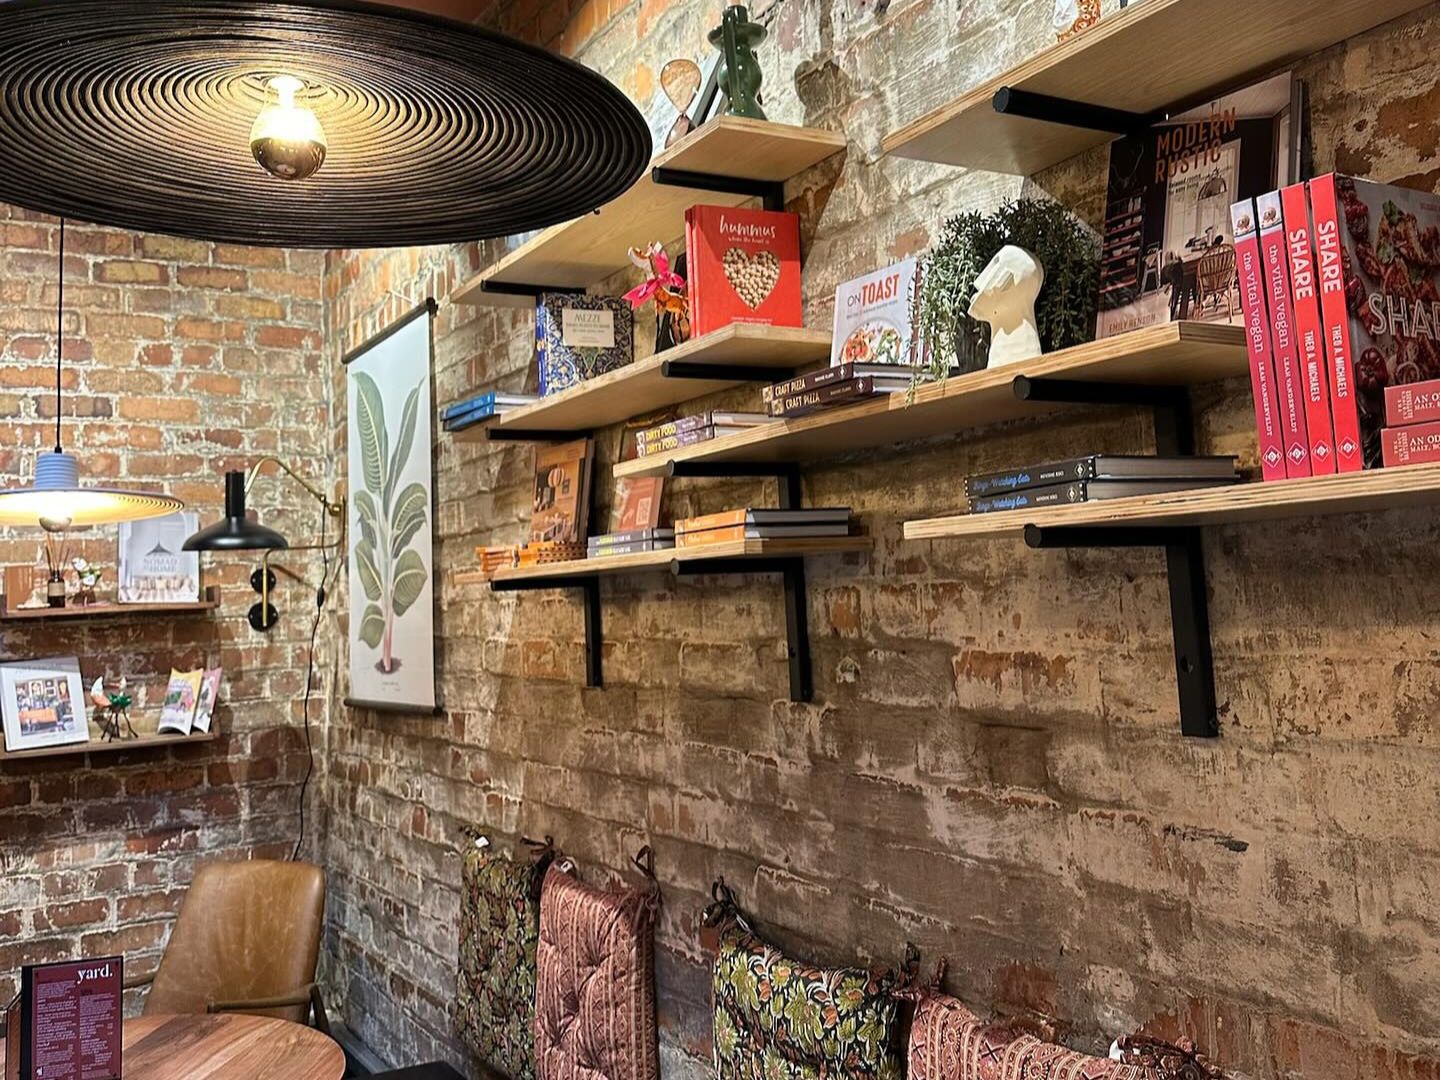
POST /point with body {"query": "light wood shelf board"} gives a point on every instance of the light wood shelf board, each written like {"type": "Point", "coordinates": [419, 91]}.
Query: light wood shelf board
{"type": "Point", "coordinates": [640, 388]}
{"type": "Point", "coordinates": [1379, 489]}
{"type": "Point", "coordinates": [1148, 57]}
{"type": "Point", "coordinates": [96, 746]}
{"type": "Point", "coordinates": [661, 560]}
{"type": "Point", "coordinates": [73, 611]}
{"type": "Point", "coordinates": [579, 253]}
{"type": "Point", "coordinates": [1175, 354]}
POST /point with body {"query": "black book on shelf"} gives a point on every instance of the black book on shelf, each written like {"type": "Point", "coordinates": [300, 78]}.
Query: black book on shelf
{"type": "Point", "coordinates": [1079, 491]}
{"type": "Point", "coordinates": [1100, 467]}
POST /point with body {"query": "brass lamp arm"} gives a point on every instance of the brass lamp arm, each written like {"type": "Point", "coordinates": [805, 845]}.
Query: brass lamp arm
{"type": "Point", "coordinates": [334, 509]}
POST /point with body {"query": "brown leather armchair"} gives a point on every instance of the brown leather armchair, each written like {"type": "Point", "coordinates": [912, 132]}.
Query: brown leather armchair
{"type": "Point", "coordinates": [247, 940]}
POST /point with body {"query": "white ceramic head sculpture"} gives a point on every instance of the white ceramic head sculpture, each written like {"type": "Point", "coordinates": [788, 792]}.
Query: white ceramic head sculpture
{"type": "Point", "coordinates": [1005, 294]}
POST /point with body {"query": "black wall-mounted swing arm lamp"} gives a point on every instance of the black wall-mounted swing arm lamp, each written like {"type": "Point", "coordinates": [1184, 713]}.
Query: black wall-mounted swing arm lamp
{"type": "Point", "coordinates": [237, 532]}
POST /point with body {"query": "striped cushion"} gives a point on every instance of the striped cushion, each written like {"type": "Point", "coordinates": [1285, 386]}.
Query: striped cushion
{"type": "Point", "coordinates": [949, 1042]}
{"type": "Point", "coordinates": [595, 983]}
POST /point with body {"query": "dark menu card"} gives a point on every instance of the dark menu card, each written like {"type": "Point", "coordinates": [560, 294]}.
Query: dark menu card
{"type": "Point", "coordinates": [71, 1023]}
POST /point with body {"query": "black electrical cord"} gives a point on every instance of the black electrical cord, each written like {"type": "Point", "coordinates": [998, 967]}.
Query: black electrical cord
{"type": "Point", "coordinates": [320, 598]}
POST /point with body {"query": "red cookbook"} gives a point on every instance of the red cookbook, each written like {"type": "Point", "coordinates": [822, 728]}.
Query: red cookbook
{"type": "Point", "coordinates": [1378, 251]}
{"type": "Point", "coordinates": [744, 267]}
{"type": "Point", "coordinates": [1309, 335]}
{"type": "Point", "coordinates": [1257, 339]}
{"type": "Point", "coordinates": [1288, 383]}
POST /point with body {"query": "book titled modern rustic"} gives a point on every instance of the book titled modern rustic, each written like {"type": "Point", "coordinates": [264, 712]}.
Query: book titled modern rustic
{"type": "Point", "coordinates": [1100, 467]}
{"type": "Point", "coordinates": [873, 323]}
{"type": "Point", "coordinates": [1167, 251]}
{"type": "Point", "coordinates": [744, 267]}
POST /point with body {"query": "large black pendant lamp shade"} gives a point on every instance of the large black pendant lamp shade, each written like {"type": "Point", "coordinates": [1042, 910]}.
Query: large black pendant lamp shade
{"type": "Point", "coordinates": [141, 114]}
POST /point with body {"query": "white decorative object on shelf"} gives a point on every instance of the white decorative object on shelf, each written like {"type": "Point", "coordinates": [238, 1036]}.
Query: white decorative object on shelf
{"type": "Point", "coordinates": [1005, 294]}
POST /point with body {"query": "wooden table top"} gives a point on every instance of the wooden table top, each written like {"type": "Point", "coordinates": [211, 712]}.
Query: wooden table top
{"type": "Point", "coordinates": [225, 1047]}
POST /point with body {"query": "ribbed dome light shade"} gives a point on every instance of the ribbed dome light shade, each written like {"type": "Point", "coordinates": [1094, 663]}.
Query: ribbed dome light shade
{"type": "Point", "coordinates": [139, 114]}
{"type": "Point", "coordinates": [57, 497]}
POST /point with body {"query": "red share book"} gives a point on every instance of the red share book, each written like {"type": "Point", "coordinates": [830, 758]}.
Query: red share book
{"type": "Point", "coordinates": [1257, 339]}
{"type": "Point", "coordinates": [744, 267]}
{"type": "Point", "coordinates": [1288, 382]}
{"type": "Point", "coordinates": [1309, 333]}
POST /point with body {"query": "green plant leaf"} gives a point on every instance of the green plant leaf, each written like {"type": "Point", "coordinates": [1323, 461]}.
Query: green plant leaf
{"type": "Point", "coordinates": [374, 439]}
{"type": "Point", "coordinates": [372, 626]}
{"type": "Point", "coordinates": [365, 565]}
{"type": "Point", "coordinates": [403, 443]}
{"type": "Point", "coordinates": [410, 579]}
{"type": "Point", "coordinates": [408, 517]}
{"type": "Point", "coordinates": [369, 518]}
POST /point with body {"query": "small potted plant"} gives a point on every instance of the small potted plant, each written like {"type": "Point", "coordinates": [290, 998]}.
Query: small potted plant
{"type": "Point", "coordinates": [1064, 311]}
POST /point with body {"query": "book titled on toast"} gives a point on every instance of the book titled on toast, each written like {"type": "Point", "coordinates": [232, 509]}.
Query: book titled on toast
{"type": "Point", "coordinates": [1099, 467]}
{"type": "Point", "coordinates": [1079, 491]}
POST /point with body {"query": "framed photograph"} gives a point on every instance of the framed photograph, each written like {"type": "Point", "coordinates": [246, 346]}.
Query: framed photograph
{"type": "Point", "coordinates": [43, 703]}
{"type": "Point", "coordinates": [392, 557]}
{"type": "Point", "coordinates": [152, 567]}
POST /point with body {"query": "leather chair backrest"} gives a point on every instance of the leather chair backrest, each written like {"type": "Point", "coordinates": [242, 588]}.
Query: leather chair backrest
{"type": "Point", "coordinates": [246, 931]}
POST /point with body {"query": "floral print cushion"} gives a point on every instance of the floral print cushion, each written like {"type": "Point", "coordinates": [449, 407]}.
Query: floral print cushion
{"type": "Point", "coordinates": [777, 1019]}
{"type": "Point", "coordinates": [499, 929]}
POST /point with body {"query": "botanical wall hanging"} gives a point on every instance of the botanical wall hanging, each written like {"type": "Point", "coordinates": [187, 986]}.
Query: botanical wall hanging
{"type": "Point", "coordinates": [392, 647]}
{"type": "Point", "coordinates": [1065, 309]}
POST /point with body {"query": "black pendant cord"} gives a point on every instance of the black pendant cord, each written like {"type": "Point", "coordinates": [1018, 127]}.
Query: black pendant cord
{"type": "Point", "coordinates": [59, 336]}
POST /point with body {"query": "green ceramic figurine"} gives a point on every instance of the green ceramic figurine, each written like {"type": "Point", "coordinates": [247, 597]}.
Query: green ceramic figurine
{"type": "Point", "coordinates": [739, 76]}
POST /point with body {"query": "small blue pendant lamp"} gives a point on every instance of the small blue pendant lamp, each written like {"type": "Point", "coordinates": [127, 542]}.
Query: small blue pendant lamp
{"type": "Point", "coordinates": [55, 500]}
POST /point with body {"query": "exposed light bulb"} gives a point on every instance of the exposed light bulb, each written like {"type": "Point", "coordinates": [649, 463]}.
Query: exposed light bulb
{"type": "Point", "coordinates": [287, 140]}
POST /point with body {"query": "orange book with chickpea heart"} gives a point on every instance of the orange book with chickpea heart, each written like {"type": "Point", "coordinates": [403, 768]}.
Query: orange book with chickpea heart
{"type": "Point", "coordinates": [744, 267]}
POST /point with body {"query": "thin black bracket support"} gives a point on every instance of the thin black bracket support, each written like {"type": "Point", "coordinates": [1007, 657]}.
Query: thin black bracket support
{"type": "Point", "coordinates": [797, 618]}
{"type": "Point", "coordinates": [517, 288]}
{"type": "Point", "coordinates": [589, 586]}
{"type": "Point", "coordinates": [789, 475]}
{"type": "Point", "coordinates": [503, 434]}
{"type": "Point", "coordinates": [1012, 101]}
{"type": "Point", "coordinates": [771, 193]}
{"type": "Point", "coordinates": [1189, 606]}
{"type": "Point", "coordinates": [1174, 428]}
{"type": "Point", "coordinates": [681, 369]}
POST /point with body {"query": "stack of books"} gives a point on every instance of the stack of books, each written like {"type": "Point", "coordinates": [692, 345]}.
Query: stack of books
{"type": "Point", "coordinates": [701, 427]}
{"type": "Point", "coordinates": [475, 410]}
{"type": "Point", "coordinates": [730, 526]}
{"type": "Point", "coordinates": [1092, 478]}
{"type": "Point", "coordinates": [630, 543]}
{"type": "Point", "coordinates": [840, 384]}
{"type": "Point", "coordinates": [1412, 418]}
{"type": "Point", "coordinates": [501, 557]}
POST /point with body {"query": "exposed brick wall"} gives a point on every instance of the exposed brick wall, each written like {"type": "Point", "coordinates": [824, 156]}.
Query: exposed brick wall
{"type": "Point", "coordinates": [183, 359]}
{"type": "Point", "coordinates": [991, 767]}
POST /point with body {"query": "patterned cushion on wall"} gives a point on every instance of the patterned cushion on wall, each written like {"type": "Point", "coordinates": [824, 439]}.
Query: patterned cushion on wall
{"type": "Point", "coordinates": [595, 982]}
{"type": "Point", "coordinates": [499, 929]}
{"type": "Point", "coordinates": [949, 1042]}
{"type": "Point", "coordinates": [778, 1019]}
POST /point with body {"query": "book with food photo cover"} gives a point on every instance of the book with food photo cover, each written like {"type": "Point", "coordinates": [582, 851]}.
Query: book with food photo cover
{"type": "Point", "coordinates": [182, 697]}
{"type": "Point", "coordinates": [561, 503]}
{"type": "Point", "coordinates": [1167, 249]}
{"type": "Point", "coordinates": [872, 317]}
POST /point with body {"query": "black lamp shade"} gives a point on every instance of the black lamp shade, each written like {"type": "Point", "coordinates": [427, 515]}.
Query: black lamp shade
{"type": "Point", "coordinates": [236, 532]}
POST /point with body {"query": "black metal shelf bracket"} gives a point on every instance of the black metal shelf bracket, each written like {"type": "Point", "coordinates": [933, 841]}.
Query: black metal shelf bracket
{"type": "Point", "coordinates": [545, 435]}
{"type": "Point", "coordinates": [1012, 101]}
{"type": "Point", "coordinates": [681, 369]}
{"type": "Point", "coordinates": [589, 586]}
{"type": "Point", "coordinates": [771, 193]}
{"type": "Point", "coordinates": [518, 288]}
{"type": "Point", "coordinates": [1184, 550]}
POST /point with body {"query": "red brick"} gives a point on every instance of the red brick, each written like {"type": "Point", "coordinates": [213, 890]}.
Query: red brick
{"type": "Point", "coordinates": [212, 277]}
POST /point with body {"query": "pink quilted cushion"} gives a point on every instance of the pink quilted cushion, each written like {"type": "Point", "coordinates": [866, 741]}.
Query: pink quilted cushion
{"type": "Point", "coordinates": [949, 1042]}
{"type": "Point", "coordinates": [595, 983]}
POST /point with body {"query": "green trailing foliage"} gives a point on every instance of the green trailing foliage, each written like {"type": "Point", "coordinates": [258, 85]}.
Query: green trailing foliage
{"type": "Point", "coordinates": [392, 573]}
{"type": "Point", "coordinates": [1065, 310]}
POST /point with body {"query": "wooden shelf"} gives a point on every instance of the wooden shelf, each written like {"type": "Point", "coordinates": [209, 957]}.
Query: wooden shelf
{"type": "Point", "coordinates": [579, 253]}
{"type": "Point", "coordinates": [642, 387]}
{"type": "Point", "coordinates": [663, 560]}
{"type": "Point", "coordinates": [1149, 57]}
{"type": "Point", "coordinates": [1175, 354]}
{"type": "Point", "coordinates": [1380, 489]}
{"type": "Point", "coordinates": [210, 602]}
{"type": "Point", "coordinates": [96, 746]}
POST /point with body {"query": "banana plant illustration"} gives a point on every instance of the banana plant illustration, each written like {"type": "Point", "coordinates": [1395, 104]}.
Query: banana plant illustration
{"type": "Point", "coordinates": [392, 573]}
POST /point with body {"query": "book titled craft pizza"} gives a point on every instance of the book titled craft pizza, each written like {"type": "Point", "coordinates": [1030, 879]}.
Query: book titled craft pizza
{"type": "Point", "coordinates": [744, 267]}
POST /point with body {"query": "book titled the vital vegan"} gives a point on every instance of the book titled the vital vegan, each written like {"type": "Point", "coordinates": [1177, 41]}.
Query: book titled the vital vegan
{"type": "Point", "coordinates": [744, 267]}
{"type": "Point", "coordinates": [872, 317]}
{"type": "Point", "coordinates": [1168, 252]}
